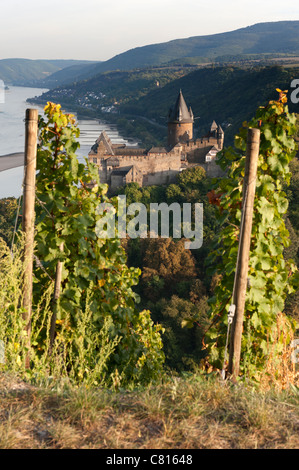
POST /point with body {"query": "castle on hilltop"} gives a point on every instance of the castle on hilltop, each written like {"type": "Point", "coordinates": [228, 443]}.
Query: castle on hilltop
{"type": "Point", "coordinates": [120, 164]}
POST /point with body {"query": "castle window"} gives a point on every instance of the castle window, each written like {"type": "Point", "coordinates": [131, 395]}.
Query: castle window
{"type": "Point", "coordinates": [95, 160]}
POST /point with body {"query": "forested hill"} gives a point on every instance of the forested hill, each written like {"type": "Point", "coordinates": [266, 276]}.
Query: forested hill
{"type": "Point", "coordinates": [260, 41]}
{"type": "Point", "coordinates": [280, 37]}
{"type": "Point", "coordinates": [26, 72]}
{"type": "Point", "coordinates": [229, 95]}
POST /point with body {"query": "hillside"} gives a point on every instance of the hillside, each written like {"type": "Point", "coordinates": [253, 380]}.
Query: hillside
{"type": "Point", "coordinates": [70, 74]}
{"type": "Point", "coordinates": [74, 395]}
{"type": "Point", "coordinates": [262, 38]}
{"type": "Point", "coordinates": [227, 94]}
{"type": "Point", "coordinates": [112, 88]}
{"type": "Point", "coordinates": [261, 41]}
{"type": "Point", "coordinates": [26, 72]}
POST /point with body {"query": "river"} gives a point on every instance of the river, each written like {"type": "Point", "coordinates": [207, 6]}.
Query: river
{"type": "Point", "coordinates": [12, 134]}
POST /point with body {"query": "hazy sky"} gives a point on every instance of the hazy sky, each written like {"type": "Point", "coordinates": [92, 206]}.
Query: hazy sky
{"type": "Point", "coordinates": [98, 30]}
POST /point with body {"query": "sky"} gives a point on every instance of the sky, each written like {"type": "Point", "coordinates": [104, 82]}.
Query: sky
{"type": "Point", "coordinates": [98, 29]}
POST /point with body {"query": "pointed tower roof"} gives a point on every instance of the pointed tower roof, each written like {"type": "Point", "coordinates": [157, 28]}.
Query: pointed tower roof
{"type": "Point", "coordinates": [106, 143]}
{"type": "Point", "coordinates": [220, 130]}
{"type": "Point", "coordinates": [180, 112]}
{"type": "Point", "coordinates": [214, 126]}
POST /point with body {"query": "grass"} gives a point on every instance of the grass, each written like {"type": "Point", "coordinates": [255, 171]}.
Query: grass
{"type": "Point", "coordinates": [191, 412]}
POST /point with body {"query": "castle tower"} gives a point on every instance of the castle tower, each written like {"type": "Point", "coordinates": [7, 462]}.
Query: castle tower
{"type": "Point", "coordinates": [180, 122]}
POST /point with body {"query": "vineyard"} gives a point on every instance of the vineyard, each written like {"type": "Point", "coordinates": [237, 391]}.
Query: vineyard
{"type": "Point", "coordinates": [86, 316]}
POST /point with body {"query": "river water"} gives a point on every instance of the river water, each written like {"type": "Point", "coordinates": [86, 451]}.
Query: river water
{"type": "Point", "coordinates": [12, 134]}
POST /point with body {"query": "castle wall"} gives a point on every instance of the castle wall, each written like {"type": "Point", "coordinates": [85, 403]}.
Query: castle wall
{"type": "Point", "coordinates": [147, 169]}
{"type": "Point", "coordinates": [212, 169]}
{"type": "Point", "coordinates": [117, 181]}
{"type": "Point", "coordinates": [161, 177]}
{"type": "Point", "coordinates": [157, 168]}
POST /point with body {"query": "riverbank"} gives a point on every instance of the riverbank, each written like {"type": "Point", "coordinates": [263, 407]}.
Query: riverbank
{"type": "Point", "coordinates": [146, 132]}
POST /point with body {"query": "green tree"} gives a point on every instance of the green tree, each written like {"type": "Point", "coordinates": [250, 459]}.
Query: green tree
{"type": "Point", "coordinates": [191, 177]}
{"type": "Point", "coordinates": [166, 265]}
{"type": "Point", "coordinates": [174, 193]}
{"type": "Point", "coordinates": [182, 346]}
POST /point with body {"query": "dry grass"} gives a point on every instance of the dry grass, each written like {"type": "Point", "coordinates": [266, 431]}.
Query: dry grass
{"type": "Point", "coordinates": [280, 371]}
{"type": "Point", "coordinates": [189, 413]}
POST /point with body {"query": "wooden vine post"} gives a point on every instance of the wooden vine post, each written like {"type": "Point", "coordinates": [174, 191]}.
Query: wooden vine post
{"type": "Point", "coordinates": [252, 153]}
{"type": "Point", "coordinates": [28, 216]}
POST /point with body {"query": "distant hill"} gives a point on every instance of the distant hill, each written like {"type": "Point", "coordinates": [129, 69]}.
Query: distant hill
{"type": "Point", "coordinates": [259, 41]}
{"type": "Point", "coordinates": [73, 73]}
{"type": "Point", "coordinates": [25, 72]}
{"type": "Point", "coordinates": [280, 37]}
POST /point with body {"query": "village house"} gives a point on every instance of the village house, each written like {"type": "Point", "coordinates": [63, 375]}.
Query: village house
{"type": "Point", "coordinates": [120, 164]}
